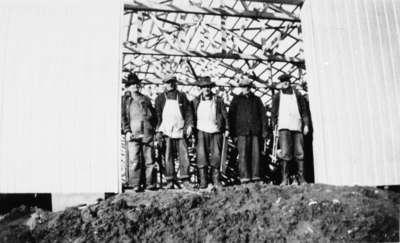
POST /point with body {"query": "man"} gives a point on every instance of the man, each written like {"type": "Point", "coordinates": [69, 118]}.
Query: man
{"type": "Point", "coordinates": [175, 122]}
{"type": "Point", "coordinates": [124, 99]}
{"type": "Point", "coordinates": [290, 114]}
{"type": "Point", "coordinates": [139, 124]}
{"type": "Point", "coordinates": [211, 122]}
{"type": "Point", "coordinates": [247, 124]}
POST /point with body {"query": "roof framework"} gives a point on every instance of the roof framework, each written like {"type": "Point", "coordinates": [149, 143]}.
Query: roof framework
{"type": "Point", "coordinates": [219, 38]}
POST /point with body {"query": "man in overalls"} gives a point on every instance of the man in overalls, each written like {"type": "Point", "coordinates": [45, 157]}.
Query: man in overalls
{"type": "Point", "coordinates": [211, 123]}
{"type": "Point", "coordinates": [247, 121]}
{"type": "Point", "coordinates": [174, 123]}
{"type": "Point", "coordinates": [139, 126]}
{"type": "Point", "coordinates": [290, 113]}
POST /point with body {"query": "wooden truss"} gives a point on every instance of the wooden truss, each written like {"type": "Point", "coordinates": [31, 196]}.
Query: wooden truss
{"type": "Point", "coordinates": [195, 38]}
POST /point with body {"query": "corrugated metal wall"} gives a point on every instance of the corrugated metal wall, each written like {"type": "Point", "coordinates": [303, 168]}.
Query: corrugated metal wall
{"type": "Point", "coordinates": [59, 96]}
{"type": "Point", "coordinates": [352, 50]}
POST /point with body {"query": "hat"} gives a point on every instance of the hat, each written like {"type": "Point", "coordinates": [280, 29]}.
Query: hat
{"type": "Point", "coordinates": [169, 79]}
{"type": "Point", "coordinates": [131, 80]}
{"type": "Point", "coordinates": [245, 82]}
{"type": "Point", "coordinates": [205, 82]}
{"type": "Point", "coordinates": [284, 77]}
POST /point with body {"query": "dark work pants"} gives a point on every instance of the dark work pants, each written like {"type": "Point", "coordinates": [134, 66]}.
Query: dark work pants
{"type": "Point", "coordinates": [176, 147]}
{"type": "Point", "coordinates": [249, 158]}
{"type": "Point", "coordinates": [137, 164]}
{"type": "Point", "coordinates": [291, 145]}
{"type": "Point", "coordinates": [208, 148]}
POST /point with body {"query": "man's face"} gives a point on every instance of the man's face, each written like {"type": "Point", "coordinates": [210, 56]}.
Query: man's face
{"type": "Point", "coordinates": [170, 86]}
{"type": "Point", "coordinates": [206, 90]}
{"type": "Point", "coordinates": [134, 88]}
{"type": "Point", "coordinates": [245, 90]}
{"type": "Point", "coordinates": [285, 84]}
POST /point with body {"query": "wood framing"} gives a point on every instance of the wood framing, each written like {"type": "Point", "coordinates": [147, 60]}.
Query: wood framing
{"type": "Point", "coordinates": [142, 5]}
{"type": "Point", "coordinates": [190, 53]}
{"type": "Point", "coordinates": [291, 2]}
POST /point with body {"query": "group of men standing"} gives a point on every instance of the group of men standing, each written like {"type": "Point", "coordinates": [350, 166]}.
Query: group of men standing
{"type": "Point", "coordinates": [174, 118]}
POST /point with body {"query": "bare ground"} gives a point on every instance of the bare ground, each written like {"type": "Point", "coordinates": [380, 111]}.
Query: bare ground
{"type": "Point", "coordinates": [248, 213]}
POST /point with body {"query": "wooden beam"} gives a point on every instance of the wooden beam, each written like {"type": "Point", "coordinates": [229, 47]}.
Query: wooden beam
{"type": "Point", "coordinates": [147, 5]}
{"type": "Point", "coordinates": [291, 2]}
{"type": "Point", "coordinates": [222, 55]}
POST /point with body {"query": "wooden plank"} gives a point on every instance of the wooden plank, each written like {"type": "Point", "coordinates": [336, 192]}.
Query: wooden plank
{"type": "Point", "coordinates": [291, 2]}
{"type": "Point", "coordinates": [192, 53]}
{"type": "Point", "coordinates": [141, 5]}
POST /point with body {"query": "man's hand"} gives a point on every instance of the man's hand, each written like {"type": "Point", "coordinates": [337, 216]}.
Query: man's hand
{"type": "Point", "coordinates": [226, 134]}
{"type": "Point", "coordinates": [128, 136]}
{"type": "Point", "coordinates": [189, 131]}
{"type": "Point", "coordinates": [159, 136]}
{"type": "Point", "coordinates": [305, 130]}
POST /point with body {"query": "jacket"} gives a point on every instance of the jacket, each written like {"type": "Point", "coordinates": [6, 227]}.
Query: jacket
{"type": "Point", "coordinates": [301, 103]}
{"type": "Point", "coordinates": [124, 100]}
{"type": "Point", "coordinates": [184, 107]}
{"type": "Point", "coordinates": [221, 114]}
{"type": "Point", "coordinates": [247, 116]}
{"type": "Point", "coordinates": [149, 115]}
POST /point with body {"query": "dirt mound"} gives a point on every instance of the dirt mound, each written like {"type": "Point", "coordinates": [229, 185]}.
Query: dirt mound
{"type": "Point", "coordinates": [250, 213]}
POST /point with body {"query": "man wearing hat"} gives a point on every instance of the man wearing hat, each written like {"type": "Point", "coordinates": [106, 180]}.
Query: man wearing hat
{"type": "Point", "coordinates": [174, 123]}
{"type": "Point", "coordinates": [138, 125]}
{"type": "Point", "coordinates": [211, 121]}
{"type": "Point", "coordinates": [247, 121]}
{"type": "Point", "coordinates": [290, 114]}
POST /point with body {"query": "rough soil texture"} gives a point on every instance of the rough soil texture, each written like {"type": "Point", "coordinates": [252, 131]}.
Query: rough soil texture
{"type": "Point", "coordinates": [249, 213]}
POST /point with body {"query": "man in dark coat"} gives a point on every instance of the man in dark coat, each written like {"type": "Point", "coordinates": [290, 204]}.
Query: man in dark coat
{"type": "Point", "coordinates": [290, 114]}
{"type": "Point", "coordinates": [211, 121]}
{"type": "Point", "coordinates": [174, 123]}
{"type": "Point", "coordinates": [247, 121]}
{"type": "Point", "coordinates": [139, 125]}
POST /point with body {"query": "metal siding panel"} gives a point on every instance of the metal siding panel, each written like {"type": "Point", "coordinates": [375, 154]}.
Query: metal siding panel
{"type": "Point", "coordinates": [364, 97]}
{"type": "Point", "coordinates": [352, 56]}
{"type": "Point", "coordinates": [59, 115]}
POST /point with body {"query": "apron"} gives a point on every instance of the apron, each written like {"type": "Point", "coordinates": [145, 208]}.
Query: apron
{"type": "Point", "coordinates": [289, 115]}
{"type": "Point", "coordinates": [206, 116]}
{"type": "Point", "coordinates": [172, 121]}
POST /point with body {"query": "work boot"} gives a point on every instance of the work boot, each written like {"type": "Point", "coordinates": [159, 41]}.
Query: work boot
{"type": "Point", "coordinates": [186, 185]}
{"type": "Point", "coordinates": [203, 178]}
{"type": "Point", "coordinates": [215, 177]}
{"type": "Point", "coordinates": [170, 185]}
{"type": "Point", "coordinates": [300, 172]}
{"type": "Point", "coordinates": [284, 171]}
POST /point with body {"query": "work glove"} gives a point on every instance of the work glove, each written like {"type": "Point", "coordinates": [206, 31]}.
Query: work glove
{"type": "Point", "coordinates": [189, 131]}
{"type": "Point", "coordinates": [305, 130]}
{"type": "Point", "coordinates": [226, 134]}
{"type": "Point", "coordinates": [159, 137]}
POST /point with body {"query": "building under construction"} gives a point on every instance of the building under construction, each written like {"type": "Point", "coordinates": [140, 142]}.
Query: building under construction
{"type": "Point", "coordinates": [62, 66]}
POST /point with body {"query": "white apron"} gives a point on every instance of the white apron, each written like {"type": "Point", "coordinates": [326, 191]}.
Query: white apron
{"type": "Point", "coordinates": [172, 121]}
{"type": "Point", "coordinates": [207, 117]}
{"type": "Point", "coordinates": [289, 115]}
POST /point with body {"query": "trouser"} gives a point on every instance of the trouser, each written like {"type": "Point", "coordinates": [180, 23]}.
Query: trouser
{"type": "Point", "coordinates": [291, 145]}
{"type": "Point", "coordinates": [249, 158]}
{"type": "Point", "coordinates": [208, 148]}
{"type": "Point", "coordinates": [176, 147]}
{"type": "Point", "coordinates": [141, 158]}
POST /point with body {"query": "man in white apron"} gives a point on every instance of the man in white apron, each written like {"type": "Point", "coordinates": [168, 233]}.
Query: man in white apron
{"type": "Point", "coordinates": [290, 114]}
{"type": "Point", "coordinates": [139, 125]}
{"type": "Point", "coordinates": [211, 121]}
{"type": "Point", "coordinates": [174, 124]}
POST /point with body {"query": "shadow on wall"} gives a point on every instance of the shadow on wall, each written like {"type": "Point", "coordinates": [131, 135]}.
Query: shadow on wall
{"type": "Point", "coordinates": [12, 200]}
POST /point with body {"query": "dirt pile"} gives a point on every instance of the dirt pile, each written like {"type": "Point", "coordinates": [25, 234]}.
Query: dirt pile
{"type": "Point", "coordinates": [250, 213]}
